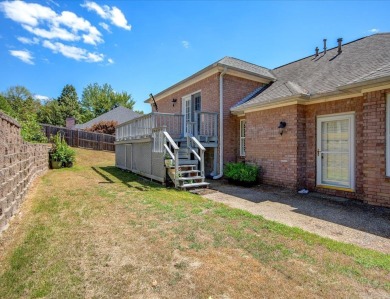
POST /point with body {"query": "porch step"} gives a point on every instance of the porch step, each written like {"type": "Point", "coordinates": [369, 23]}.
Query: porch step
{"type": "Point", "coordinates": [190, 171]}
{"type": "Point", "coordinates": [188, 162]}
{"type": "Point", "coordinates": [182, 166]}
{"type": "Point", "coordinates": [188, 178]}
{"type": "Point", "coordinates": [193, 185]}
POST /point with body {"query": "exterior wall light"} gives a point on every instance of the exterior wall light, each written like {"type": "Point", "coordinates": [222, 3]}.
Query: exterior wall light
{"type": "Point", "coordinates": [281, 127]}
{"type": "Point", "coordinates": [174, 102]}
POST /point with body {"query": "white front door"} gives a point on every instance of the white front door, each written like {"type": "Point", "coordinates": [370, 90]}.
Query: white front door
{"type": "Point", "coordinates": [336, 151]}
{"type": "Point", "coordinates": [187, 112]}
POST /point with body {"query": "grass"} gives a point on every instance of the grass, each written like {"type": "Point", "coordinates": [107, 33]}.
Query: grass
{"type": "Point", "coordinates": [98, 232]}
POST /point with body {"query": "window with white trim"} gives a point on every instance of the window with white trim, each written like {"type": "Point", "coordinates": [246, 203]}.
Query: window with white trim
{"type": "Point", "coordinates": [388, 135]}
{"type": "Point", "coordinates": [242, 137]}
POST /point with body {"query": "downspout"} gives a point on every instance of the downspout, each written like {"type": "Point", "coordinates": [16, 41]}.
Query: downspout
{"type": "Point", "coordinates": [220, 125]}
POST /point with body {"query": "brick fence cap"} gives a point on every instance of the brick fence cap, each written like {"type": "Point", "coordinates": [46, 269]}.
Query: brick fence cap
{"type": "Point", "coordinates": [9, 119]}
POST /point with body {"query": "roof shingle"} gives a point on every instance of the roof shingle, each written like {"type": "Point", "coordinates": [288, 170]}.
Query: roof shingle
{"type": "Point", "coordinates": [119, 114]}
{"type": "Point", "coordinates": [361, 60]}
{"type": "Point", "coordinates": [246, 66]}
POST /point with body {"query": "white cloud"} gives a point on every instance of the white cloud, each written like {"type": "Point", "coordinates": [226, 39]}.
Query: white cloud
{"type": "Point", "coordinates": [42, 21]}
{"type": "Point", "coordinates": [54, 32]}
{"type": "Point", "coordinates": [114, 14]}
{"type": "Point", "coordinates": [186, 44]}
{"type": "Point", "coordinates": [26, 13]}
{"type": "Point", "coordinates": [110, 61]}
{"type": "Point", "coordinates": [75, 23]}
{"type": "Point", "coordinates": [76, 53]}
{"type": "Point", "coordinates": [373, 30]}
{"type": "Point", "coordinates": [41, 97]}
{"type": "Point", "coordinates": [105, 26]}
{"type": "Point", "coordinates": [28, 41]}
{"type": "Point", "coordinates": [23, 55]}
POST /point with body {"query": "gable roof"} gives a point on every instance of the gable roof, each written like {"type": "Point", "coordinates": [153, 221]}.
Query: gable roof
{"type": "Point", "coordinates": [361, 61]}
{"type": "Point", "coordinates": [232, 64]}
{"type": "Point", "coordinates": [120, 114]}
{"type": "Point", "coordinates": [244, 66]}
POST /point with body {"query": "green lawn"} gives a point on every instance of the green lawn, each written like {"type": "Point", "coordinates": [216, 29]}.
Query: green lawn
{"type": "Point", "coordinates": [94, 231]}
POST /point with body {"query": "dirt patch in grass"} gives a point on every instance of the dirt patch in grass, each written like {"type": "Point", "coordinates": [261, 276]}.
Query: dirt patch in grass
{"type": "Point", "coordinates": [94, 231]}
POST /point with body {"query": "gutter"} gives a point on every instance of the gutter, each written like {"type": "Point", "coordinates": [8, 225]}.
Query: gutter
{"type": "Point", "coordinates": [343, 90]}
{"type": "Point", "coordinates": [364, 83]}
{"type": "Point", "coordinates": [217, 66]}
{"type": "Point", "coordinates": [283, 100]}
{"type": "Point", "coordinates": [220, 125]}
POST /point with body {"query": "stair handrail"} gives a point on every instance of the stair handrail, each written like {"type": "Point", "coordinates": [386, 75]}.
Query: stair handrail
{"type": "Point", "coordinates": [174, 155]}
{"type": "Point", "coordinates": [201, 149]}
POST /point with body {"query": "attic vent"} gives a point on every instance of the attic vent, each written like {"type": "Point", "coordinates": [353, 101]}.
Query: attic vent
{"type": "Point", "coordinates": [317, 51]}
{"type": "Point", "coordinates": [339, 41]}
{"type": "Point", "coordinates": [324, 46]}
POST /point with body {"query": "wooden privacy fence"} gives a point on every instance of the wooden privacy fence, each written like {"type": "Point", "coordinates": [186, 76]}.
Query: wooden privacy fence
{"type": "Point", "coordinates": [79, 138]}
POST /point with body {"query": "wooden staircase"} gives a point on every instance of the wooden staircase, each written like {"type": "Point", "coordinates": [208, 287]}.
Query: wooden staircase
{"type": "Point", "coordinates": [187, 174]}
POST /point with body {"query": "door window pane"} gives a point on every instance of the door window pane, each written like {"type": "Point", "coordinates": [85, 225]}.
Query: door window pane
{"type": "Point", "coordinates": [335, 136]}
{"type": "Point", "coordinates": [335, 156]}
{"type": "Point", "coordinates": [335, 169]}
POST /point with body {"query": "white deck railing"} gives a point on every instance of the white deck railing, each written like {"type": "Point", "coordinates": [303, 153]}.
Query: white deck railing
{"type": "Point", "coordinates": [208, 124]}
{"type": "Point", "coordinates": [143, 126]}
{"type": "Point", "coordinates": [205, 125]}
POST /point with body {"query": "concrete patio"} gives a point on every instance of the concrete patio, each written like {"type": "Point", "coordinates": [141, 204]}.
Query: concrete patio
{"type": "Point", "coordinates": [337, 218]}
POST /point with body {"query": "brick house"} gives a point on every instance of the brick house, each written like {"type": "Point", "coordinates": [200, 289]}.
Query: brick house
{"type": "Point", "coordinates": [320, 123]}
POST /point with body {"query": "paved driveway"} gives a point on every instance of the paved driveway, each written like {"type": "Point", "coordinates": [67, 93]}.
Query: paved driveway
{"type": "Point", "coordinates": [333, 217]}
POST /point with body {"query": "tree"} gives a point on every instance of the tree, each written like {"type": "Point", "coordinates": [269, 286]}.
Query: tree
{"type": "Point", "coordinates": [24, 108]}
{"type": "Point", "coordinates": [5, 106]}
{"type": "Point", "coordinates": [140, 112]}
{"type": "Point", "coordinates": [22, 102]}
{"type": "Point", "coordinates": [51, 114]}
{"type": "Point", "coordinates": [97, 99]}
{"type": "Point", "coordinates": [68, 101]}
{"type": "Point", "coordinates": [31, 130]}
{"type": "Point", "coordinates": [55, 111]}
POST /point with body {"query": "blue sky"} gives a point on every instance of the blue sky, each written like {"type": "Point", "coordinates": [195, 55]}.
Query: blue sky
{"type": "Point", "coordinates": [144, 47]}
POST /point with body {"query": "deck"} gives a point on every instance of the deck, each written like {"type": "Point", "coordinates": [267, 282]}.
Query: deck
{"type": "Point", "coordinates": [144, 143]}
{"type": "Point", "coordinates": [204, 127]}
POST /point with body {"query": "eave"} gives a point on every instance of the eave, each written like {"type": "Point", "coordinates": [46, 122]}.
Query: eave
{"type": "Point", "coordinates": [343, 92]}
{"type": "Point", "coordinates": [207, 72]}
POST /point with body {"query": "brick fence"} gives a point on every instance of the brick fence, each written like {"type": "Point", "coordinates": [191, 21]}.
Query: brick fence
{"type": "Point", "coordinates": [20, 163]}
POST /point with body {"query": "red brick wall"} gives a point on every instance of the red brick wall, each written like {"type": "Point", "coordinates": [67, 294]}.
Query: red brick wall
{"type": "Point", "coordinates": [276, 154]}
{"type": "Point", "coordinates": [375, 184]}
{"type": "Point", "coordinates": [290, 160]}
{"type": "Point", "coordinates": [210, 96]}
{"type": "Point", "coordinates": [234, 90]}
{"type": "Point", "coordinates": [333, 107]}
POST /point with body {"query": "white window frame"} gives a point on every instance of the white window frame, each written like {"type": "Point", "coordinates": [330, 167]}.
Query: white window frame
{"type": "Point", "coordinates": [388, 135]}
{"type": "Point", "coordinates": [242, 137]}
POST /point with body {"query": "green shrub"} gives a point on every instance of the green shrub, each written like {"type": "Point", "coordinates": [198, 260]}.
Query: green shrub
{"type": "Point", "coordinates": [241, 172]}
{"type": "Point", "coordinates": [61, 151]}
{"type": "Point", "coordinates": [31, 131]}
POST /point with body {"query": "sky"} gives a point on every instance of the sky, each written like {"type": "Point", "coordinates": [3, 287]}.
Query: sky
{"type": "Point", "coordinates": [144, 47]}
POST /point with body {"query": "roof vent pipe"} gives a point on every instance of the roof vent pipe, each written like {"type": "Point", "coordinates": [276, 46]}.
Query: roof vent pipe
{"type": "Point", "coordinates": [317, 51]}
{"type": "Point", "coordinates": [324, 46]}
{"type": "Point", "coordinates": [339, 41]}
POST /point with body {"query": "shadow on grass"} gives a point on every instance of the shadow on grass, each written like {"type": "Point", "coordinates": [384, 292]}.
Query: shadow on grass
{"type": "Point", "coordinates": [125, 177]}
{"type": "Point", "coordinates": [349, 213]}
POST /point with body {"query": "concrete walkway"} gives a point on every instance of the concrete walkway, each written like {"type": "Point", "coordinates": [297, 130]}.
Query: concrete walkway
{"type": "Point", "coordinates": [333, 217]}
